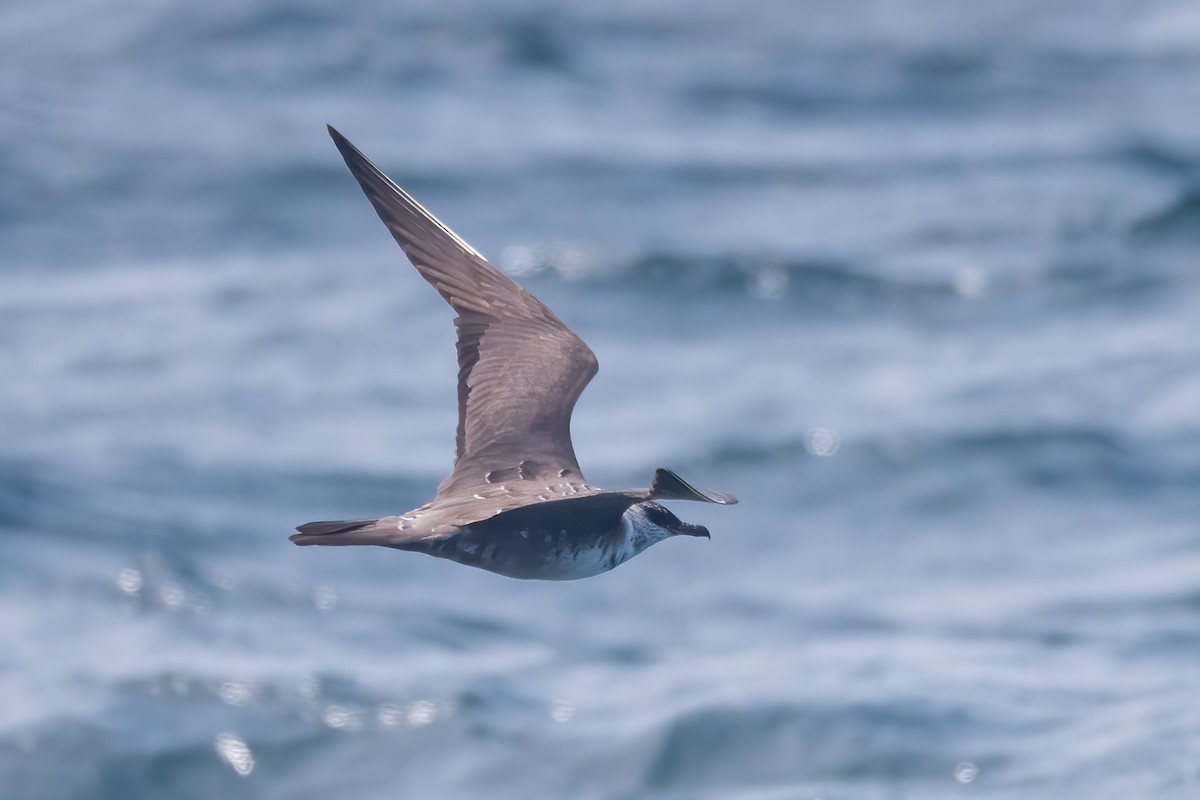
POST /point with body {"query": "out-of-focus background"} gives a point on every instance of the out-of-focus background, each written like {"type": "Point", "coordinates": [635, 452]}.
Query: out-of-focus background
{"type": "Point", "coordinates": [917, 280]}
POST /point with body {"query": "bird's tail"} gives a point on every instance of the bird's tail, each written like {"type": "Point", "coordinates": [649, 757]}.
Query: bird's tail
{"type": "Point", "coordinates": [339, 532]}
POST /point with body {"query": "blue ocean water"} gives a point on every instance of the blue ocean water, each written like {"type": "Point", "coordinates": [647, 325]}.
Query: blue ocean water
{"type": "Point", "coordinates": [916, 279]}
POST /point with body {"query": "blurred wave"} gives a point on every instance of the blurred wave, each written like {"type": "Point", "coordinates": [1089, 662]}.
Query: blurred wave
{"type": "Point", "coordinates": [914, 280]}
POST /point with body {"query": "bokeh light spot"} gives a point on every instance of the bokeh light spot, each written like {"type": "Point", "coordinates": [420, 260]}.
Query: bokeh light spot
{"type": "Point", "coordinates": [130, 581]}
{"type": "Point", "coordinates": [420, 713]}
{"type": "Point", "coordinates": [562, 711]}
{"type": "Point", "coordinates": [234, 752]}
{"type": "Point", "coordinates": [823, 442]}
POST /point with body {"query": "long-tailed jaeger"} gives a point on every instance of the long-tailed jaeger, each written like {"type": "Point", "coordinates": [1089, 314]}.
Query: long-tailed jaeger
{"type": "Point", "coordinates": [516, 502]}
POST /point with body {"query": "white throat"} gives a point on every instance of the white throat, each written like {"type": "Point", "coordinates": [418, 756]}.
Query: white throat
{"type": "Point", "coordinates": [640, 532]}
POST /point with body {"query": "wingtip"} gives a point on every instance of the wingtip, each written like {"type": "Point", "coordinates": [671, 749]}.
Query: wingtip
{"type": "Point", "coordinates": [719, 497]}
{"type": "Point", "coordinates": [354, 158]}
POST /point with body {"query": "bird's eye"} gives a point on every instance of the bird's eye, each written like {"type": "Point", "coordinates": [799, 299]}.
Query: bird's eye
{"type": "Point", "coordinates": [659, 516]}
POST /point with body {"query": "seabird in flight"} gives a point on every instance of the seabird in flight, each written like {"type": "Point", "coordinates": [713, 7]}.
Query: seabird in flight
{"type": "Point", "coordinates": [516, 502]}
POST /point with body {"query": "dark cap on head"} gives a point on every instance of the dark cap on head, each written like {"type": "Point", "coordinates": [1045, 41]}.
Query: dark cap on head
{"type": "Point", "coordinates": [663, 517]}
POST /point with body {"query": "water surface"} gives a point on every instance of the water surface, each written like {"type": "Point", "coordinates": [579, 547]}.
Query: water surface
{"type": "Point", "coordinates": [917, 281]}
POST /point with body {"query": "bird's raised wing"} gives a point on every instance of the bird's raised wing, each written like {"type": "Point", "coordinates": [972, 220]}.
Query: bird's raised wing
{"type": "Point", "coordinates": [520, 369]}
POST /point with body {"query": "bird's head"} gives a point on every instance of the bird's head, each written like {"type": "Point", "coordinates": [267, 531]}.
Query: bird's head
{"type": "Point", "coordinates": [649, 523]}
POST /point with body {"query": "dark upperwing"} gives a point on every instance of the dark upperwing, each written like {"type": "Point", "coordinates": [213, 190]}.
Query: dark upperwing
{"type": "Point", "coordinates": [520, 369]}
